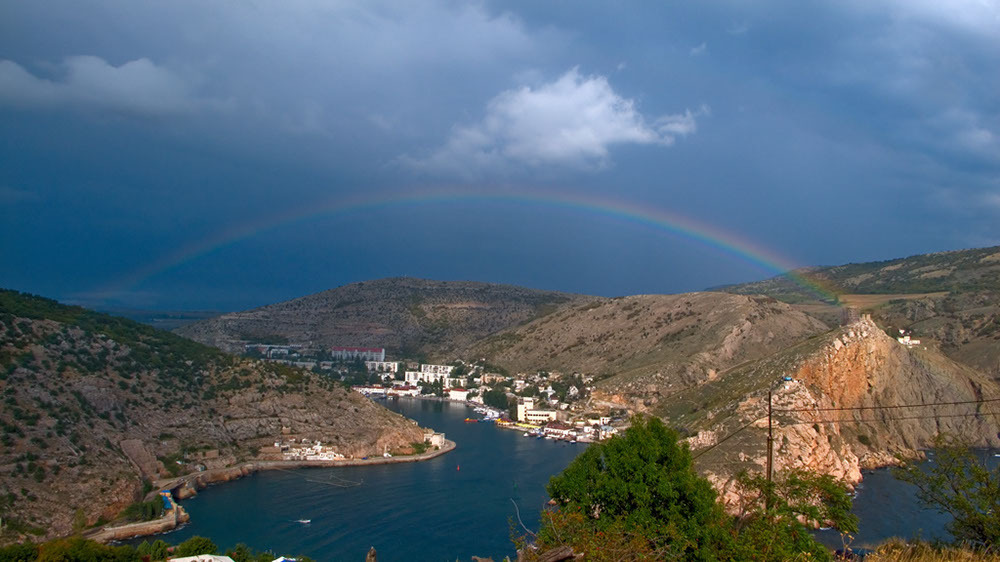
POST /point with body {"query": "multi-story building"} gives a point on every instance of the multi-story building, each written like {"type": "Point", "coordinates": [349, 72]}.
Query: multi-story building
{"type": "Point", "coordinates": [526, 412]}
{"type": "Point", "coordinates": [434, 373]}
{"type": "Point", "coordinates": [382, 366]}
{"type": "Point", "coordinates": [353, 353]}
{"type": "Point", "coordinates": [437, 369]}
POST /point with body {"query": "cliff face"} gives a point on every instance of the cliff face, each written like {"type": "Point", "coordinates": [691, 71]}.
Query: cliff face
{"type": "Point", "coordinates": [95, 404]}
{"type": "Point", "coordinates": [841, 403]}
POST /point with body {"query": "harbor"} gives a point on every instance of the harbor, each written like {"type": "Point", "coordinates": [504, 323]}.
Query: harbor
{"type": "Point", "coordinates": [453, 506]}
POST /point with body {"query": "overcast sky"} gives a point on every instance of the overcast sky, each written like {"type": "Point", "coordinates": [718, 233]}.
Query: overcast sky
{"type": "Point", "coordinates": [224, 154]}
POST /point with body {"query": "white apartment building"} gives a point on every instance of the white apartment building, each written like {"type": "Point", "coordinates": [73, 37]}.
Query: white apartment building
{"type": "Point", "coordinates": [436, 369]}
{"type": "Point", "coordinates": [382, 366]}
{"type": "Point", "coordinates": [526, 412]}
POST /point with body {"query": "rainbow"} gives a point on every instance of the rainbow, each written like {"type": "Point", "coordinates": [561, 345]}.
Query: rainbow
{"type": "Point", "coordinates": [702, 233]}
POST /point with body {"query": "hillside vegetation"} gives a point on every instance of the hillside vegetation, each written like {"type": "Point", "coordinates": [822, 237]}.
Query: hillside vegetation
{"type": "Point", "coordinates": [412, 317]}
{"type": "Point", "coordinates": [80, 389]}
{"type": "Point", "coordinates": [649, 346]}
{"type": "Point", "coordinates": [950, 300]}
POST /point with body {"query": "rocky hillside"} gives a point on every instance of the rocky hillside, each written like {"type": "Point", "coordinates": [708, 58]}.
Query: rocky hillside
{"type": "Point", "coordinates": [406, 316]}
{"type": "Point", "coordinates": [93, 405]}
{"type": "Point", "coordinates": [839, 410]}
{"type": "Point", "coordinates": [652, 345]}
{"type": "Point", "coordinates": [950, 299]}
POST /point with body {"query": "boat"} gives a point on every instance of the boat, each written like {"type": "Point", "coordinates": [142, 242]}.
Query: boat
{"type": "Point", "coordinates": [304, 521]}
{"type": "Point", "coordinates": [471, 420]}
{"type": "Point", "coordinates": [526, 435]}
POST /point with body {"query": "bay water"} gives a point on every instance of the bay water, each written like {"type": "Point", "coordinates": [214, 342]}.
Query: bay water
{"type": "Point", "coordinates": [459, 504]}
{"type": "Point", "coordinates": [447, 508]}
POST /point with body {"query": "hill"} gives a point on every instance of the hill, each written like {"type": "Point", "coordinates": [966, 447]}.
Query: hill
{"type": "Point", "coordinates": [648, 346]}
{"type": "Point", "coordinates": [958, 271]}
{"type": "Point", "coordinates": [841, 403]}
{"type": "Point", "coordinates": [948, 299]}
{"type": "Point", "coordinates": [95, 405]}
{"type": "Point", "coordinates": [410, 317]}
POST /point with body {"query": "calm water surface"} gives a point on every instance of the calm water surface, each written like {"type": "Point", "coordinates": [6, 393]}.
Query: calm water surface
{"type": "Point", "coordinates": [887, 508]}
{"type": "Point", "coordinates": [452, 507]}
{"type": "Point", "coordinates": [457, 505]}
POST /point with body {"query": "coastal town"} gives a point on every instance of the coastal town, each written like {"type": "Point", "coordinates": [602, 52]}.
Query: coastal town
{"type": "Point", "coordinates": [542, 404]}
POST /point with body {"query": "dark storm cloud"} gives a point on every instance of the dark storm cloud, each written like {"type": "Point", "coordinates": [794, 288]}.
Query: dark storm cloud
{"type": "Point", "coordinates": [836, 132]}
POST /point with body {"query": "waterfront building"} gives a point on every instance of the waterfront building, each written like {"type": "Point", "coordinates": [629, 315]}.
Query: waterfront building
{"type": "Point", "coordinates": [459, 394]}
{"type": "Point", "coordinates": [431, 376]}
{"type": "Point", "coordinates": [539, 417]}
{"type": "Point", "coordinates": [403, 390]}
{"type": "Point", "coordinates": [435, 439]}
{"type": "Point", "coordinates": [353, 353]}
{"type": "Point", "coordinates": [203, 558]}
{"type": "Point", "coordinates": [557, 429]}
{"type": "Point", "coordinates": [526, 412]}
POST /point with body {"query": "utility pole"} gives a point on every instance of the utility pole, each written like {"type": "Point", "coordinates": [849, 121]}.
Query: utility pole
{"type": "Point", "coordinates": [770, 452]}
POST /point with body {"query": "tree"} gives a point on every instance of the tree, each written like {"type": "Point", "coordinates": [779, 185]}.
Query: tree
{"type": "Point", "coordinates": [644, 483]}
{"type": "Point", "coordinates": [25, 552]}
{"type": "Point", "coordinates": [157, 550]}
{"type": "Point", "coordinates": [959, 484]}
{"type": "Point", "coordinates": [495, 398]}
{"type": "Point", "coordinates": [77, 549]}
{"type": "Point", "coordinates": [240, 553]}
{"type": "Point", "coordinates": [195, 546]}
{"type": "Point", "coordinates": [775, 518]}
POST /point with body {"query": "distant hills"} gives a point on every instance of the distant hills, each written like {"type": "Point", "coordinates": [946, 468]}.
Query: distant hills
{"type": "Point", "coordinates": [81, 388]}
{"type": "Point", "coordinates": [952, 298]}
{"type": "Point", "coordinates": [412, 317]}
{"type": "Point", "coordinates": [959, 271]}
{"type": "Point", "coordinates": [706, 361]}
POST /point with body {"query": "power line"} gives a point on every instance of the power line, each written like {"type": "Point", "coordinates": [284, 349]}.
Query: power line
{"type": "Point", "coordinates": [893, 407]}
{"type": "Point", "coordinates": [843, 420]}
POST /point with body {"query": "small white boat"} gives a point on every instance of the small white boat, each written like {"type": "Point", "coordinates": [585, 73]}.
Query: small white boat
{"type": "Point", "coordinates": [304, 521]}
{"type": "Point", "coordinates": [526, 435]}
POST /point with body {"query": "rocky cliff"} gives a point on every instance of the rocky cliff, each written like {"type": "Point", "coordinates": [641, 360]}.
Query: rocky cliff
{"type": "Point", "coordinates": [841, 402]}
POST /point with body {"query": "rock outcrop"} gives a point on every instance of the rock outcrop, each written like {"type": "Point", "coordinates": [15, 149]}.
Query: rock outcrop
{"type": "Point", "coordinates": [851, 400]}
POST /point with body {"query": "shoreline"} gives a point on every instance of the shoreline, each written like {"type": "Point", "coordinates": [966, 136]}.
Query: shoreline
{"type": "Point", "coordinates": [187, 486]}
